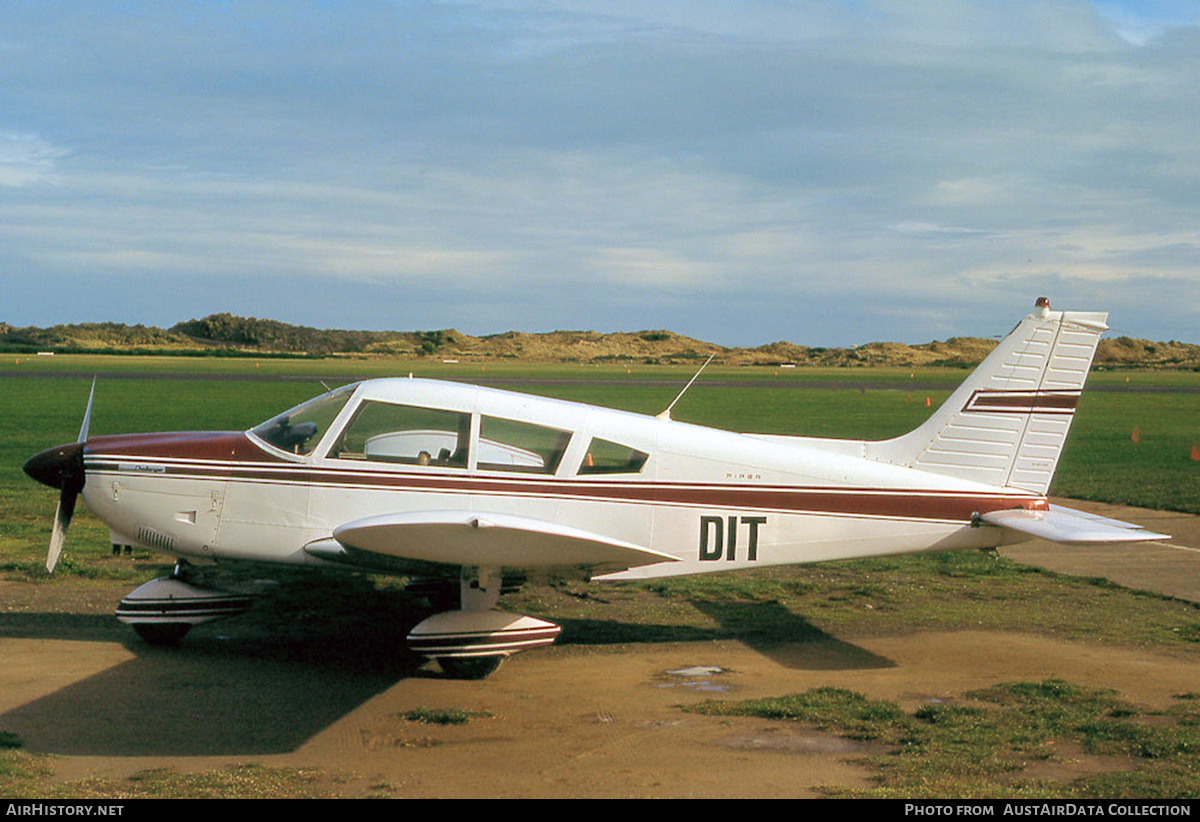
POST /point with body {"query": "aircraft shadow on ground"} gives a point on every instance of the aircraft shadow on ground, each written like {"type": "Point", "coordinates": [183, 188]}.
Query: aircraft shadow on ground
{"type": "Point", "coordinates": [214, 694]}
{"type": "Point", "coordinates": [766, 627]}
{"type": "Point", "coordinates": [268, 682]}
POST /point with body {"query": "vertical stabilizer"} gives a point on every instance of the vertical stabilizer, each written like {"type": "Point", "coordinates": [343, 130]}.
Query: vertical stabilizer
{"type": "Point", "coordinates": [1006, 424]}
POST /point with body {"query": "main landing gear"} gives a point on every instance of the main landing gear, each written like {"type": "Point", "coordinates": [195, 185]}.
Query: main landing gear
{"type": "Point", "coordinates": [472, 642]}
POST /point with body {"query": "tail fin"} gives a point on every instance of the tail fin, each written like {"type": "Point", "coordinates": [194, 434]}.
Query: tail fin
{"type": "Point", "coordinates": [1006, 424]}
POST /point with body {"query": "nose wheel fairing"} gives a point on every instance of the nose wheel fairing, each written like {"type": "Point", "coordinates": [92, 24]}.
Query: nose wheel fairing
{"type": "Point", "coordinates": [163, 610]}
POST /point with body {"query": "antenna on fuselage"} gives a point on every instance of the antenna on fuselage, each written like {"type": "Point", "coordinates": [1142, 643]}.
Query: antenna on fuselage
{"type": "Point", "coordinates": [666, 413]}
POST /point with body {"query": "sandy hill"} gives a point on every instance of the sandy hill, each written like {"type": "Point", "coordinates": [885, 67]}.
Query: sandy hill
{"type": "Point", "coordinates": [229, 334]}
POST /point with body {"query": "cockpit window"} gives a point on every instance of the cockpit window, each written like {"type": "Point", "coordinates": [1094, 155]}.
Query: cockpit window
{"type": "Point", "coordinates": [406, 434]}
{"type": "Point", "coordinates": [298, 430]}
{"type": "Point", "coordinates": [604, 457]}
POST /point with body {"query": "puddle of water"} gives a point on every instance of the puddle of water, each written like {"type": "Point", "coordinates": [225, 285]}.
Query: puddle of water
{"type": "Point", "coordinates": [696, 678]}
{"type": "Point", "coordinates": [697, 670]}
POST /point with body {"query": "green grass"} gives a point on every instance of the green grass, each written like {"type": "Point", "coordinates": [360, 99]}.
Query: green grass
{"type": "Point", "coordinates": [1134, 449]}
{"type": "Point", "coordinates": [1102, 461]}
{"type": "Point", "coordinates": [25, 776]}
{"type": "Point", "coordinates": [994, 742]}
{"type": "Point", "coordinates": [242, 781]}
{"type": "Point", "coordinates": [828, 709]}
{"type": "Point", "coordinates": [444, 716]}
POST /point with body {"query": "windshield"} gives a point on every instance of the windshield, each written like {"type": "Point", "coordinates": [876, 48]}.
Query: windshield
{"type": "Point", "coordinates": [298, 430]}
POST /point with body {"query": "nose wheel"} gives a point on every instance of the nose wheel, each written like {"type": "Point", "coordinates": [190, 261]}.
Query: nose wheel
{"type": "Point", "coordinates": [478, 667]}
{"type": "Point", "coordinates": [163, 610]}
{"type": "Point", "coordinates": [161, 634]}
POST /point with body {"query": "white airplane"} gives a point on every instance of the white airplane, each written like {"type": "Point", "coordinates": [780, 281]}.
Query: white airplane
{"type": "Point", "coordinates": [391, 474]}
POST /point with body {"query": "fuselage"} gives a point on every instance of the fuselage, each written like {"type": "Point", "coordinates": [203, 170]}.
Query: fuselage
{"type": "Point", "coordinates": [715, 500]}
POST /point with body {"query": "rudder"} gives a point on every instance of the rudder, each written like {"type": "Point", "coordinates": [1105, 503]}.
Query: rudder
{"type": "Point", "coordinates": [1006, 424]}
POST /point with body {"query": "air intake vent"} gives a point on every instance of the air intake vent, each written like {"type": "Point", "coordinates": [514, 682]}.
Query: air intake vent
{"type": "Point", "coordinates": [155, 539]}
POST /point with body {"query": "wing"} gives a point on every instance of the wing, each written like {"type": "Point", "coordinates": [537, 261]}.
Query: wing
{"type": "Point", "coordinates": [485, 539]}
{"type": "Point", "coordinates": [1061, 524]}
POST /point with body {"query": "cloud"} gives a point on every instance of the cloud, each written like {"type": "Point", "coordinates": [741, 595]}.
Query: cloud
{"type": "Point", "coordinates": [1139, 23]}
{"type": "Point", "coordinates": [26, 159]}
{"type": "Point", "coordinates": [571, 163]}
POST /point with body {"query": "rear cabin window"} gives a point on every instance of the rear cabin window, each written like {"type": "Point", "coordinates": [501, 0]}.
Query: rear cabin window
{"type": "Point", "coordinates": [604, 457]}
{"type": "Point", "coordinates": [405, 434]}
{"type": "Point", "coordinates": [508, 445]}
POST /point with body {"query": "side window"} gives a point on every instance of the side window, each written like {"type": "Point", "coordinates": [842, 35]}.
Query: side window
{"type": "Point", "coordinates": [604, 457]}
{"type": "Point", "coordinates": [507, 445]}
{"type": "Point", "coordinates": [405, 434]}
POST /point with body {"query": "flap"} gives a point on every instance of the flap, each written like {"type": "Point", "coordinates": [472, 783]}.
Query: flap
{"type": "Point", "coordinates": [1061, 524]}
{"type": "Point", "coordinates": [483, 539]}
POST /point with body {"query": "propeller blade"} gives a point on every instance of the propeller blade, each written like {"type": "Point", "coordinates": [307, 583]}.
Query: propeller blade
{"type": "Point", "coordinates": [62, 520]}
{"type": "Point", "coordinates": [87, 414]}
{"type": "Point", "coordinates": [72, 485]}
{"type": "Point", "coordinates": [62, 467]}
{"type": "Point", "coordinates": [59, 467]}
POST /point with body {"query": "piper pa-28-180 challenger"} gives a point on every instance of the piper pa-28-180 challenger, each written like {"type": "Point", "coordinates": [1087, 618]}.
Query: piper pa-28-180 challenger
{"type": "Point", "coordinates": [475, 480]}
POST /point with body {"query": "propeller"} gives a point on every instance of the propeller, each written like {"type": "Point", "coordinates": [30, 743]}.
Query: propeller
{"type": "Point", "coordinates": [62, 467]}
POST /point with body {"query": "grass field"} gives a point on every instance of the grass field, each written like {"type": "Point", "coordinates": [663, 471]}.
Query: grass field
{"type": "Point", "coordinates": [1131, 443]}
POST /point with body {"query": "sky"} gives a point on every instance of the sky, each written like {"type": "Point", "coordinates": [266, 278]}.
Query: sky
{"type": "Point", "coordinates": [829, 173]}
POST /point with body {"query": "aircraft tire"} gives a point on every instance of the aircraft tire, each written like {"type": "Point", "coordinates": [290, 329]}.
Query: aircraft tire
{"type": "Point", "coordinates": [162, 634]}
{"type": "Point", "coordinates": [474, 667]}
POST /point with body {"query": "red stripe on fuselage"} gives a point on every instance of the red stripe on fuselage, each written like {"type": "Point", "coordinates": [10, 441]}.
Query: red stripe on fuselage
{"type": "Point", "coordinates": [234, 457]}
{"type": "Point", "coordinates": [187, 445]}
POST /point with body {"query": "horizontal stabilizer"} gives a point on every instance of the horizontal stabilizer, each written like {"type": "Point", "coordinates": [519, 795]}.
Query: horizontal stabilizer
{"type": "Point", "coordinates": [1061, 524]}
{"type": "Point", "coordinates": [482, 539]}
